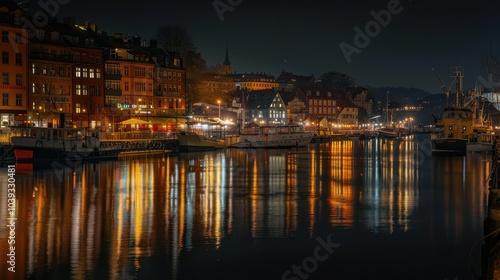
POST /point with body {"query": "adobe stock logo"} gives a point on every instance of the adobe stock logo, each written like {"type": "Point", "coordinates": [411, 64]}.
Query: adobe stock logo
{"type": "Point", "coordinates": [310, 264]}
{"type": "Point", "coordinates": [221, 7]}
{"type": "Point", "coordinates": [362, 38]}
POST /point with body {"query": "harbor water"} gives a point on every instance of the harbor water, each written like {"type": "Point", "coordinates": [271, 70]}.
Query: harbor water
{"type": "Point", "coordinates": [374, 209]}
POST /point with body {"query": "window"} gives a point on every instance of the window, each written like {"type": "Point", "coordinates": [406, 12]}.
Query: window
{"type": "Point", "coordinates": [170, 75]}
{"type": "Point", "coordinates": [5, 36]}
{"type": "Point", "coordinates": [78, 108]}
{"type": "Point", "coordinates": [84, 89]}
{"type": "Point", "coordinates": [35, 88]}
{"type": "Point", "coordinates": [127, 86]}
{"type": "Point", "coordinates": [52, 71]}
{"type": "Point", "coordinates": [98, 73]}
{"type": "Point", "coordinates": [34, 68]}
{"type": "Point", "coordinates": [5, 99]}
{"type": "Point", "coordinates": [19, 38]}
{"type": "Point", "coordinates": [19, 59]}
{"type": "Point", "coordinates": [91, 73]}
{"type": "Point", "coordinates": [19, 79]}
{"type": "Point", "coordinates": [5, 57]}
{"type": "Point", "coordinates": [61, 71]}
{"type": "Point", "coordinates": [44, 69]}
{"type": "Point", "coordinates": [78, 90]}
{"type": "Point", "coordinates": [44, 88]}
{"type": "Point", "coordinates": [19, 102]}
{"type": "Point", "coordinates": [179, 76]}
{"type": "Point", "coordinates": [5, 78]}
{"type": "Point", "coordinates": [126, 71]}
{"type": "Point", "coordinates": [61, 91]}
{"type": "Point", "coordinates": [84, 73]}
{"type": "Point", "coordinates": [78, 72]}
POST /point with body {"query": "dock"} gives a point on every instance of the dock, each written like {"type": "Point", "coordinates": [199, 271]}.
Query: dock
{"type": "Point", "coordinates": [490, 253]}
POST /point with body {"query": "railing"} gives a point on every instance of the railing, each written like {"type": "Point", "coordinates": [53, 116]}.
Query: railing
{"type": "Point", "coordinates": [109, 136]}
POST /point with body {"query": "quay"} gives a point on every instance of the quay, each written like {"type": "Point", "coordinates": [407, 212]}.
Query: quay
{"type": "Point", "coordinates": [490, 253]}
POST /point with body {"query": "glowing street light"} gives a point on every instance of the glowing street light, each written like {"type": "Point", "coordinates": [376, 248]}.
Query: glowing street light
{"type": "Point", "coordinates": [218, 101]}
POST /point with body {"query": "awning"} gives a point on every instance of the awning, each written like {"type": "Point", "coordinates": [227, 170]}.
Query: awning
{"type": "Point", "coordinates": [135, 121]}
{"type": "Point", "coordinates": [166, 120]}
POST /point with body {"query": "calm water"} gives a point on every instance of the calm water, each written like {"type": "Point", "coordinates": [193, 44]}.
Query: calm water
{"type": "Point", "coordinates": [340, 210]}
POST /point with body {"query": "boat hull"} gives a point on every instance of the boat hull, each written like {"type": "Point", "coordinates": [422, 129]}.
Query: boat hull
{"type": "Point", "coordinates": [449, 145]}
{"type": "Point", "coordinates": [195, 143]}
{"type": "Point", "coordinates": [480, 147]}
{"type": "Point", "coordinates": [275, 140]}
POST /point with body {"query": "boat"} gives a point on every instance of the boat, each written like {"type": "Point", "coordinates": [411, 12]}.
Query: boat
{"type": "Point", "coordinates": [455, 129]}
{"type": "Point", "coordinates": [285, 136]}
{"type": "Point", "coordinates": [461, 128]}
{"type": "Point", "coordinates": [42, 143]}
{"type": "Point", "coordinates": [193, 142]}
{"type": "Point", "coordinates": [481, 143]}
{"type": "Point", "coordinates": [387, 133]}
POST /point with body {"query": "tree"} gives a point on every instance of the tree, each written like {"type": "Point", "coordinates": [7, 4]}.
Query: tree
{"type": "Point", "coordinates": [336, 81]}
{"type": "Point", "coordinates": [175, 39]}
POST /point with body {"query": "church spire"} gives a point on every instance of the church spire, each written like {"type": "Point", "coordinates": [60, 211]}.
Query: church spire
{"type": "Point", "coordinates": [226, 61]}
{"type": "Point", "coordinates": [226, 66]}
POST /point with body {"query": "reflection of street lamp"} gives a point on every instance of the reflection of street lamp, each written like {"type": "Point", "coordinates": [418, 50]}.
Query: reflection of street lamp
{"type": "Point", "coordinates": [218, 101]}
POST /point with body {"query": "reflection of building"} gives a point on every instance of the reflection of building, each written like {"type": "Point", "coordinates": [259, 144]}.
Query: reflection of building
{"type": "Point", "coordinates": [12, 66]}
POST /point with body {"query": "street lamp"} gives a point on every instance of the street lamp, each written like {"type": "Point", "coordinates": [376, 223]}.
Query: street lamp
{"type": "Point", "coordinates": [218, 101]}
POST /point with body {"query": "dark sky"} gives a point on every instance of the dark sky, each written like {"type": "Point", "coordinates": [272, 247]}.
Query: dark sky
{"type": "Point", "coordinates": [307, 34]}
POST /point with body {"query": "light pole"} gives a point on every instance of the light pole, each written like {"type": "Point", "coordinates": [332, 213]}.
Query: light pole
{"type": "Point", "coordinates": [218, 101]}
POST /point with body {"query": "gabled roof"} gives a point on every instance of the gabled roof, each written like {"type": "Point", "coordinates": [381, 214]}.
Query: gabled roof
{"type": "Point", "coordinates": [344, 103]}
{"type": "Point", "coordinates": [261, 99]}
{"type": "Point", "coordinates": [318, 93]}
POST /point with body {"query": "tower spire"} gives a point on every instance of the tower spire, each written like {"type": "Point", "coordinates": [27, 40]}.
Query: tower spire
{"type": "Point", "coordinates": [226, 61]}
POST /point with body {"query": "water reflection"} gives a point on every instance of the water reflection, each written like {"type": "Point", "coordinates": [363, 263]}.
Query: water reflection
{"type": "Point", "coordinates": [163, 215]}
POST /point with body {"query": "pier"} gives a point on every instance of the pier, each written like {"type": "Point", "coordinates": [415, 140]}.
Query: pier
{"type": "Point", "coordinates": [490, 255]}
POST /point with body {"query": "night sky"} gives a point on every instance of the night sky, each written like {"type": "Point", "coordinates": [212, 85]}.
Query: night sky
{"type": "Point", "coordinates": [262, 35]}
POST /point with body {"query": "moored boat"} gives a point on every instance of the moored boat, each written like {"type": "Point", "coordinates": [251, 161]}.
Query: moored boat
{"type": "Point", "coordinates": [41, 143]}
{"type": "Point", "coordinates": [275, 137]}
{"type": "Point", "coordinates": [193, 142]}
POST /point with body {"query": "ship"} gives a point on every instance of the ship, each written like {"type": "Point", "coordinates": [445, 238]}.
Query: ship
{"type": "Point", "coordinates": [461, 128]}
{"type": "Point", "coordinates": [284, 136]}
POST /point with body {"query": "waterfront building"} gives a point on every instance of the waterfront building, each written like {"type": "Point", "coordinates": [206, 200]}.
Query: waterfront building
{"type": "Point", "coordinates": [321, 103]}
{"type": "Point", "coordinates": [51, 64]}
{"type": "Point", "coordinates": [169, 82]}
{"type": "Point", "coordinates": [347, 116]}
{"type": "Point", "coordinates": [255, 81]}
{"type": "Point", "coordinates": [129, 76]}
{"type": "Point", "coordinates": [13, 50]}
{"type": "Point", "coordinates": [266, 108]}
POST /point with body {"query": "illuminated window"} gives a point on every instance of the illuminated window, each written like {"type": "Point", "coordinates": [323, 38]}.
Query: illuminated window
{"type": "Point", "coordinates": [78, 72]}
{"type": "Point", "coordinates": [78, 108]}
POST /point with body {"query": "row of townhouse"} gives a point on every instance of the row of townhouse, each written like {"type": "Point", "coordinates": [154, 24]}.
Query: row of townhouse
{"type": "Point", "coordinates": [75, 75]}
{"type": "Point", "coordinates": [309, 106]}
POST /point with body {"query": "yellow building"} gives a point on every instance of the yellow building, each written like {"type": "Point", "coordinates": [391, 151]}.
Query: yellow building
{"type": "Point", "coordinates": [255, 81]}
{"type": "Point", "coordinates": [13, 61]}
